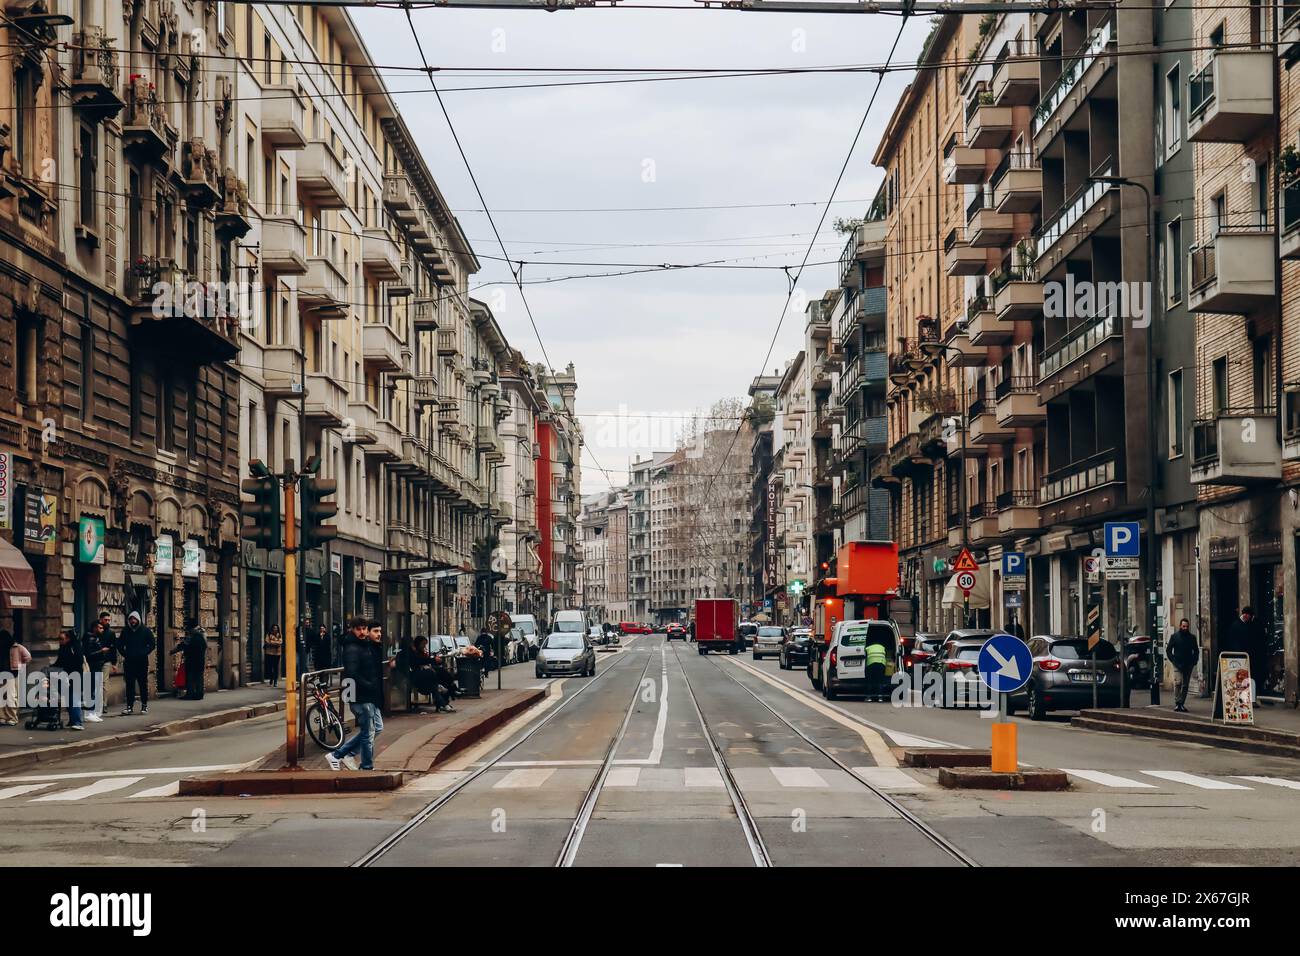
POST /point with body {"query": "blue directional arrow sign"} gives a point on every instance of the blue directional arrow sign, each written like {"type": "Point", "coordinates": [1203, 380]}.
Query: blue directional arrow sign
{"type": "Point", "coordinates": [1005, 663]}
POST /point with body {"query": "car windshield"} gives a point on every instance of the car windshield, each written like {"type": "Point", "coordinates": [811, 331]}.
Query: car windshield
{"type": "Point", "coordinates": [748, 629]}
{"type": "Point", "coordinates": [930, 644]}
{"type": "Point", "coordinates": [1078, 650]}
{"type": "Point", "coordinates": [563, 642]}
{"type": "Point", "coordinates": [769, 632]}
{"type": "Point", "coordinates": [528, 627]}
{"type": "Point", "coordinates": [803, 638]}
{"type": "Point", "coordinates": [462, 642]}
{"type": "Point", "coordinates": [568, 627]}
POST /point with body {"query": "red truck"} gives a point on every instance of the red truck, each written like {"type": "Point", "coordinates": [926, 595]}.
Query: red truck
{"type": "Point", "coordinates": [717, 625]}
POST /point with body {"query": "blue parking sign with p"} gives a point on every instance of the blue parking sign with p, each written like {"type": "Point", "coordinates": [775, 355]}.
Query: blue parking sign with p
{"type": "Point", "coordinates": [1013, 563]}
{"type": "Point", "coordinates": [1122, 539]}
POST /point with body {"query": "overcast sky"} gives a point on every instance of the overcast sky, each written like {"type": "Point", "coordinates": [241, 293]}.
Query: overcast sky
{"type": "Point", "coordinates": [662, 344]}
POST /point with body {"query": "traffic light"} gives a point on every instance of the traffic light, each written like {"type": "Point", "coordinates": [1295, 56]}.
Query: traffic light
{"type": "Point", "coordinates": [315, 509]}
{"type": "Point", "coordinates": [262, 517]}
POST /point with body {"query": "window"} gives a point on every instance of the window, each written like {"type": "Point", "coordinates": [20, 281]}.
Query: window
{"type": "Point", "coordinates": [87, 179]}
{"type": "Point", "coordinates": [136, 393]}
{"type": "Point", "coordinates": [87, 373]}
{"type": "Point", "coordinates": [26, 360]}
{"type": "Point", "coordinates": [1220, 385]}
{"type": "Point", "coordinates": [1174, 111]}
{"type": "Point", "coordinates": [1175, 413]}
{"type": "Point", "coordinates": [1261, 193]}
{"type": "Point", "coordinates": [166, 414]}
{"type": "Point", "coordinates": [1262, 373]}
{"type": "Point", "coordinates": [1174, 261]}
{"type": "Point", "coordinates": [192, 420]}
{"type": "Point", "coordinates": [25, 108]}
{"type": "Point", "coordinates": [1217, 214]}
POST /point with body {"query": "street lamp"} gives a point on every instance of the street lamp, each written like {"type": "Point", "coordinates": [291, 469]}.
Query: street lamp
{"type": "Point", "coordinates": [1156, 666]}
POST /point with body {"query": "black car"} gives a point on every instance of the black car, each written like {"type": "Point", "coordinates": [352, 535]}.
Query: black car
{"type": "Point", "coordinates": [675, 632]}
{"type": "Point", "coordinates": [746, 634]}
{"type": "Point", "coordinates": [1063, 676]}
{"type": "Point", "coordinates": [957, 663]}
{"type": "Point", "coordinates": [797, 649]}
{"type": "Point", "coordinates": [919, 649]}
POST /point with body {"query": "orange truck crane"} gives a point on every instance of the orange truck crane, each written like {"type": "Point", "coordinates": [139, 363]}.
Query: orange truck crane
{"type": "Point", "coordinates": [865, 582]}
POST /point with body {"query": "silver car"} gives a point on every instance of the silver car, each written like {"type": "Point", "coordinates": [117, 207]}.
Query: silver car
{"type": "Point", "coordinates": [565, 653]}
{"type": "Point", "coordinates": [768, 640]}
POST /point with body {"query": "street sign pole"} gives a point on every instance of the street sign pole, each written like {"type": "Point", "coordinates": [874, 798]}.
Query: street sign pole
{"type": "Point", "coordinates": [290, 621]}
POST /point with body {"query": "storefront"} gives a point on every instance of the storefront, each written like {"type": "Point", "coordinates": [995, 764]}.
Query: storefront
{"type": "Point", "coordinates": [263, 579]}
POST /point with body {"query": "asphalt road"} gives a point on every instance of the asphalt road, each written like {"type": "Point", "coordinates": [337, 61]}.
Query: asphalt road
{"type": "Point", "coordinates": [664, 798]}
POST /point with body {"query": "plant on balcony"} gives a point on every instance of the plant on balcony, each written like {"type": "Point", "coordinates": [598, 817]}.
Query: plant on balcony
{"type": "Point", "coordinates": [846, 227]}
{"type": "Point", "coordinates": [986, 23]}
{"type": "Point", "coordinates": [936, 399]}
{"type": "Point", "coordinates": [1289, 166]}
{"type": "Point", "coordinates": [986, 98]}
{"type": "Point", "coordinates": [1024, 256]}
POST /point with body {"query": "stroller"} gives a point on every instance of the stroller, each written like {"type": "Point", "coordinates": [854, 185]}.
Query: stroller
{"type": "Point", "coordinates": [48, 714]}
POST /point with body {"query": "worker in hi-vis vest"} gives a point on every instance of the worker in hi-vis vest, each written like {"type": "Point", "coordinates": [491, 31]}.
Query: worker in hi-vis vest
{"type": "Point", "coordinates": [877, 657]}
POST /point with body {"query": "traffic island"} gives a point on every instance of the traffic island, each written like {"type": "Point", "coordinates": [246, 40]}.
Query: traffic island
{"type": "Point", "coordinates": [1282, 740]}
{"type": "Point", "coordinates": [933, 757]}
{"type": "Point", "coordinates": [261, 783]}
{"type": "Point", "coordinates": [982, 778]}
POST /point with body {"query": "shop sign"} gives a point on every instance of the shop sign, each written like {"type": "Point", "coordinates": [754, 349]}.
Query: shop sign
{"type": "Point", "coordinates": [90, 540]}
{"type": "Point", "coordinates": [6, 490]}
{"type": "Point", "coordinates": [191, 559]}
{"type": "Point", "coordinates": [164, 555]}
{"type": "Point", "coordinates": [136, 551]}
{"type": "Point", "coordinates": [1236, 686]}
{"type": "Point", "coordinates": [40, 522]}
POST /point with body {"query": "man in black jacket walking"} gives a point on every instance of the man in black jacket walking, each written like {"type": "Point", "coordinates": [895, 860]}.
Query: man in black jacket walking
{"type": "Point", "coordinates": [1183, 653]}
{"type": "Point", "coordinates": [361, 657]}
{"type": "Point", "coordinates": [135, 645]}
{"type": "Point", "coordinates": [195, 649]}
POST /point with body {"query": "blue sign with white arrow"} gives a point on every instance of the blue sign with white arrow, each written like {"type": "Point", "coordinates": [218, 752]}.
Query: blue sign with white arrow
{"type": "Point", "coordinates": [1122, 539]}
{"type": "Point", "coordinates": [1005, 663]}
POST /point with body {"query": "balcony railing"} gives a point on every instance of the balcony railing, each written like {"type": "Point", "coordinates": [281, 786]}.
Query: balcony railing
{"type": "Point", "coordinates": [1100, 469]}
{"type": "Point", "coordinates": [1016, 159]}
{"type": "Point", "coordinates": [978, 202]}
{"type": "Point", "coordinates": [1017, 499]}
{"type": "Point", "coordinates": [1080, 201]}
{"type": "Point", "coordinates": [1071, 73]}
{"type": "Point", "coordinates": [1014, 384]}
{"type": "Point", "coordinates": [1075, 343]}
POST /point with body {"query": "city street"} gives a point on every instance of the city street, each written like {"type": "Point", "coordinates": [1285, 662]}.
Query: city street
{"type": "Point", "coordinates": [669, 758]}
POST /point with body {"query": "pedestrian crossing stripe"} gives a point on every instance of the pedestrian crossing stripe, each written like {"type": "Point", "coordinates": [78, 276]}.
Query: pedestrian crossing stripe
{"type": "Point", "coordinates": [1109, 779]}
{"type": "Point", "coordinates": [1192, 780]}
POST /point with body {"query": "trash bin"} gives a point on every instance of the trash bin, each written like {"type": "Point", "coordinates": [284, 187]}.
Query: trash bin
{"type": "Point", "coordinates": [469, 675]}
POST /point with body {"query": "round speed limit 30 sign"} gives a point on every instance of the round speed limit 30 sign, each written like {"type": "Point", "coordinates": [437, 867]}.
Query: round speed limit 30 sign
{"type": "Point", "coordinates": [966, 581]}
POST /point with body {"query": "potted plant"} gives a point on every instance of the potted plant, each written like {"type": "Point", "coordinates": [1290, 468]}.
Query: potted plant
{"type": "Point", "coordinates": [1289, 166]}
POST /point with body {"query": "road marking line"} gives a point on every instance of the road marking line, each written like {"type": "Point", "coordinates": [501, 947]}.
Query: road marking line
{"type": "Point", "coordinates": [1108, 779]}
{"type": "Point", "coordinates": [436, 780]}
{"type": "Point", "coordinates": [93, 790]}
{"type": "Point", "coordinates": [1204, 783]}
{"type": "Point", "coordinates": [101, 774]}
{"type": "Point", "coordinates": [524, 779]}
{"type": "Point", "coordinates": [871, 739]}
{"type": "Point", "coordinates": [548, 763]}
{"type": "Point", "coordinates": [1272, 781]}
{"type": "Point", "coordinates": [471, 756]}
{"type": "Point", "coordinates": [798, 777]}
{"type": "Point", "coordinates": [8, 792]}
{"type": "Point", "coordinates": [166, 790]}
{"type": "Point", "coordinates": [623, 777]}
{"type": "Point", "coordinates": [703, 777]}
{"type": "Point", "coordinates": [890, 778]}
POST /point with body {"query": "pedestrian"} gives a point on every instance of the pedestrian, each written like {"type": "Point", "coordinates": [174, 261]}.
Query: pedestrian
{"type": "Point", "coordinates": [272, 650]}
{"type": "Point", "coordinates": [877, 657]}
{"type": "Point", "coordinates": [1245, 636]}
{"type": "Point", "coordinates": [1018, 631]}
{"type": "Point", "coordinates": [362, 689]}
{"type": "Point", "coordinates": [17, 657]}
{"type": "Point", "coordinates": [100, 652]}
{"type": "Point", "coordinates": [320, 654]}
{"type": "Point", "coordinates": [447, 686]}
{"type": "Point", "coordinates": [135, 644]}
{"type": "Point", "coordinates": [194, 647]}
{"type": "Point", "coordinates": [485, 644]}
{"type": "Point", "coordinates": [70, 662]}
{"type": "Point", "coordinates": [1184, 652]}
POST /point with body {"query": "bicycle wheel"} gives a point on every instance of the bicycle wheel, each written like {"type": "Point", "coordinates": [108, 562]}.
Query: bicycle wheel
{"type": "Point", "coordinates": [324, 727]}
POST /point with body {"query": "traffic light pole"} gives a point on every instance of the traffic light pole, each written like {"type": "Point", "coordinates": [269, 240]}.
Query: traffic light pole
{"type": "Point", "coordinates": [290, 616]}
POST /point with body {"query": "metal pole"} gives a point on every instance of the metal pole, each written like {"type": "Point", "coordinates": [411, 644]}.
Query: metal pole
{"type": "Point", "coordinates": [290, 479]}
{"type": "Point", "coordinates": [1151, 582]}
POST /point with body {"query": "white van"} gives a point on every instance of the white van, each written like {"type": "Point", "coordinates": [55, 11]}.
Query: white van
{"type": "Point", "coordinates": [569, 621]}
{"type": "Point", "coordinates": [527, 624]}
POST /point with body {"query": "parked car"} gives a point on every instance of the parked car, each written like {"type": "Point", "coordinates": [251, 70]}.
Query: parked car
{"type": "Point", "coordinates": [768, 640]}
{"type": "Point", "coordinates": [516, 647]}
{"type": "Point", "coordinates": [565, 653]}
{"type": "Point", "coordinates": [957, 663]}
{"type": "Point", "coordinates": [797, 650]}
{"type": "Point", "coordinates": [1137, 658]}
{"type": "Point", "coordinates": [528, 624]}
{"type": "Point", "coordinates": [1062, 678]}
{"type": "Point", "coordinates": [919, 649]}
{"type": "Point", "coordinates": [675, 632]}
{"type": "Point", "coordinates": [843, 668]}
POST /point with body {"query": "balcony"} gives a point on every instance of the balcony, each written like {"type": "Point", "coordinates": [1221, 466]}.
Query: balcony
{"type": "Point", "coordinates": [95, 88]}
{"type": "Point", "coordinates": [867, 239]}
{"type": "Point", "coordinates": [1092, 61]}
{"type": "Point", "coordinates": [982, 325]}
{"type": "Point", "coordinates": [424, 390]}
{"type": "Point", "coordinates": [1017, 295]}
{"type": "Point", "coordinates": [1017, 183]}
{"type": "Point", "coordinates": [964, 165]}
{"type": "Point", "coordinates": [177, 316]}
{"type": "Point", "coordinates": [489, 442]}
{"type": "Point", "coordinates": [1233, 272]}
{"type": "Point", "coordinates": [231, 220]}
{"type": "Point", "coordinates": [387, 445]}
{"type": "Point", "coordinates": [327, 400]}
{"type": "Point", "coordinates": [1017, 512]}
{"type": "Point", "coordinates": [869, 308]}
{"type": "Point", "coordinates": [982, 526]}
{"type": "Point", "coordinates": [1231, 99]}
{"type": "Point", "coordinates": [449, 414]}
{"type": "Point", "coordinates": [1289, 39]}
{"type": "Point", "coordinates": [362, 423]}
{"type": "Point", "coordinates": [988, 125]}
{"type": "Point", "coordinates": [1017, 402]}
{"type": "Point", "coordinates": [281, 368]}
{"type": "Point", "coordinates": [960, 258]}
{"type": "Point", "coordinates": [322, 289]}
{"type": "Point", "coordinates": [381, 348]}
{"type": "Point", "coordinates": [283, 247]}
{"type": "Point", "coordinates": [906, 458]}
{"type": "Point", "coordinates": [424, 315]}
{"type": "Point", "coordinates": [380, 256]}
{"type": "Point", "coordinates": [1239, 446]}
{"type": "Point", "coordinates": [1057, 235]}
{"type": "Point", "coordinates": [1086, 474]}
{"type": "Point", "coordinates": [200, 181]}
{"type": "Point", "coordinates": [870, 433]}
{"type": "Point", "coordinates": [985, 429]}
{"type": "Point", "coordinates": [284, 117]}
{"type": "Point", "coordinates": [1080, 342]}
{"type": "Point", "coordinates": [985, 226]}
{"type": "Point", "coordinates": [320, 176]}
{"type": "Point", "coordinates": [957, 443]}
{"type": "Point", "coordinates": [400, 199]}
{"type": "Point", "coordinates": [448, 342]}
{"type": "Point", "coordinates": [1015, 74]}
{"type": "Point", "coordinates": [145, 132]}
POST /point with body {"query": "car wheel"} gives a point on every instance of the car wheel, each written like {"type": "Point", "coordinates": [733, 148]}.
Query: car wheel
{"type": "Point", "coordinates": [1034, 704]}
{"type": "Point", "coordinates": [1011, 706]}
{"type": "Point", "coordinates": [830, 692]}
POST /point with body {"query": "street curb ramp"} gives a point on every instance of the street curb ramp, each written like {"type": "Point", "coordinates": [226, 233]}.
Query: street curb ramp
{"type": "Point", "coordinates": [1249, 739]}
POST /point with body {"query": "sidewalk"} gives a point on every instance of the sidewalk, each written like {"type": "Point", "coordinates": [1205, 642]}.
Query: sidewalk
{"type": "Point", "coordinates": [167, 716]}
{"type": "Point", "coordinates": [1276, 730]}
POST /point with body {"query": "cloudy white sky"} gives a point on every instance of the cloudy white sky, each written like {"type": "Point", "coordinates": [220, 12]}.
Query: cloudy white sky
{"type": "Point", "coordinates": [660, 344]}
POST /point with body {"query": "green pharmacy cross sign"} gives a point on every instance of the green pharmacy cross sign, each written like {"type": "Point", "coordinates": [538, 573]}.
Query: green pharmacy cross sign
{"type": "Point", "coordinates": [795, 587]}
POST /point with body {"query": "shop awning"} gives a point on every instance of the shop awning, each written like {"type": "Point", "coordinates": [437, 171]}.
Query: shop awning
{"type": "Point", "coordinates": [979, 595]}
{"type": "Point", "coordinates": [17, 580]}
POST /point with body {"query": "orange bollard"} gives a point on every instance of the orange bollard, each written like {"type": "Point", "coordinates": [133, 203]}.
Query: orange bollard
{"type": "Point", "coordinates": [1004, 748]}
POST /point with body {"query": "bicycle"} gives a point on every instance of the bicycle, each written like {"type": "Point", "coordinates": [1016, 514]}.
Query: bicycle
{"type": "Point", "coordinates": [324, 724]}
